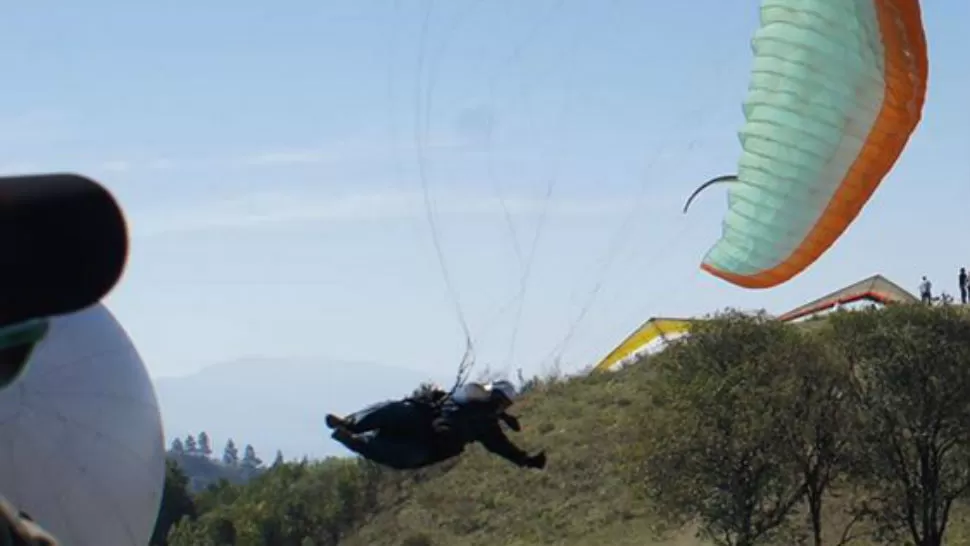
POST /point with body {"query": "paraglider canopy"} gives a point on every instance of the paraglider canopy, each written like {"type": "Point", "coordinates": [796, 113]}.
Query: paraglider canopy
{"type": "Point", "coordinates": [836, 90]}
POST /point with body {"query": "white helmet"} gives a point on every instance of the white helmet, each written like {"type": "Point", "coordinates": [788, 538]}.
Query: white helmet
{"type": "Point", "coordinates": [505, 388]}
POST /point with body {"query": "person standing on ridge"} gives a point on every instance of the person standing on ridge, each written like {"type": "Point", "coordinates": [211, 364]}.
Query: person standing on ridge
{"type": "Point", "coordinates": [963, 285]}
{"type": "Point", "coordinates": [926, 291]}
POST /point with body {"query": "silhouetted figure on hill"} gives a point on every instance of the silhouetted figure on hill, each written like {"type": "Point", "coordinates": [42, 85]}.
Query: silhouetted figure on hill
{"type": "Point", "coordinates": [926, 291]}
{"type": "Point", "coordinates": [420, 431]}
{"type": "Point", "coordinates": [963, 285]}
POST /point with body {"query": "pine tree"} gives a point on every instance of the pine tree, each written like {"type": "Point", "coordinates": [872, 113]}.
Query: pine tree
{"type": "Point", "coordinates": [230, 455]}
{"type": "Point", "coordinates": [279, 458]}
{"type": "Point", "coordinates": [177, 447]}
{"type": "Point", "coordinates": [205, 447]}
{"type": "Point", "coordinates": [191, 448]}
{"type": "Point", "coordinates": [250, 461]}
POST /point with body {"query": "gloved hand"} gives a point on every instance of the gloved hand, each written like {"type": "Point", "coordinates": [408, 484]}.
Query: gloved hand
{"type": "Point", "coordinates": [512, 422]}
{"type": "Point", "coordinates": [537, 461]}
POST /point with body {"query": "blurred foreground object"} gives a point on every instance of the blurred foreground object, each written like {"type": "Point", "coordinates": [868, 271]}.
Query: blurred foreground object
{"type": "Point", "coordinates": [82, 442]}
{"type": "Point", "coordinates": [63, 247]}
{"type": "Point", "coordinates": [83, 447]}
{"type": "Point", "coordinates": [16, 529]}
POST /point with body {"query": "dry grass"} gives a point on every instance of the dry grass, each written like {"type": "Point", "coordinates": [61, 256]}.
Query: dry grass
{"type": "Point", "coordinates": [583, 497]}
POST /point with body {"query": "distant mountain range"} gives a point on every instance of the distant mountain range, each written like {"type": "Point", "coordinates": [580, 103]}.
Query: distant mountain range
{"type": "Point", "coordinates": [276, 403]}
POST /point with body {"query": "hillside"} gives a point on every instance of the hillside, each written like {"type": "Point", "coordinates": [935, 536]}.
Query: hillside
{"type": "Point", "coordinates": [582, 497]}
{"type": "Point", "coordinates": [587, 495]}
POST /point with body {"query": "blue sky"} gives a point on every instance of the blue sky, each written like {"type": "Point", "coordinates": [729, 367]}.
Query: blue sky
{"type": "Point", "coordinates": [269, 158]}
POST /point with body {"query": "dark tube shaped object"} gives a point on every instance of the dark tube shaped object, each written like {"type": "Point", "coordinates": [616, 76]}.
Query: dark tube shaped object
{"type": "Point", "coordinates": [63, 245]}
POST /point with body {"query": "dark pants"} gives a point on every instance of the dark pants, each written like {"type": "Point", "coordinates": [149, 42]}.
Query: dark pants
{"type": "Point", "coordinates": [963, 294]}
{"type": "Point", "coordinates": [394, 434]}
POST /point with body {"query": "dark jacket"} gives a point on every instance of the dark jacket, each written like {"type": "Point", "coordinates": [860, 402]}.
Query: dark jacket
{"type": "Point", "coordinates": [456, 425]}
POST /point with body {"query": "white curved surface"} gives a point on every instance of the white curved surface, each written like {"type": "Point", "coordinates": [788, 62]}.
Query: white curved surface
{"type": "Point", "coordinates": [470, 392]}
{"type": "Point", "coordinates": [81, 441]}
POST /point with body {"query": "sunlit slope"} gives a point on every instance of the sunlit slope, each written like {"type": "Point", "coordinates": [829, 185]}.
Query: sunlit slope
{"type": "Point", "coordinates": [582, 498]}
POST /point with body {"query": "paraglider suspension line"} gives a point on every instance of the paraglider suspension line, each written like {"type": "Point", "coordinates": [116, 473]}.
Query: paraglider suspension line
{"type": "Point", "coordinates": [422, 120]}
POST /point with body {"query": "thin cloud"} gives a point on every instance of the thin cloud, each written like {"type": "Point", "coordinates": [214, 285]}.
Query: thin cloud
{"type": "Point", "coordinates": [348, 150]}
{"type": "Point", "coordinates": [363, 148]}
{"type": "Point", "coordinates": [35, 127]}
{"type": "Point", "coordinates": [290, 157]}
{"type": "Point", "coordinates": [266, 209]}
{"type": "Point", "coordinates": [113, 168]}
{"type": "Point", "coordinates": [11, 169]}
{"type": "Point", "coordinates": [116, 166]}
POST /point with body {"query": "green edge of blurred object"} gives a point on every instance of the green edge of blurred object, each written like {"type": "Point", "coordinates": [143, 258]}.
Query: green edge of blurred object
{"type": "Point", "coordinates": [17, 342]}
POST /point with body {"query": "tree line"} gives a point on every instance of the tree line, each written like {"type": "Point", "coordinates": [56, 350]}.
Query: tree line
{"type": "Point", "coordinates": [855, 429]}
{"type": "Point", "coordinates": [201, 446]}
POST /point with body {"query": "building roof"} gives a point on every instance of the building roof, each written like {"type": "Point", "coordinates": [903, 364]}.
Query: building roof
{"type": "Point", "coordinates": [876, 288]}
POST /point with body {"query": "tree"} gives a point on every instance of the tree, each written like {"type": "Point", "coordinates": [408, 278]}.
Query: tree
{"type": "Point", "coordinates": [223, 530]}
{"type": "Point", "coordinates": [911, 365]}
{"type": "Point", "coordinates": [250, 460]}
{"type": "Point", "coordinates": [216, 495]}
{"type": "Point", "coordinates": [825, 425]}
{"type": "Point", "coordinates": [176, 503]}
{"type": "Point", "coordinates": [715, 448]}
{"type": "Point", "coordinates": [177, 447]}
{"type": "Point", "coordinates": [190, 533]}
{"type": "Point", "coordinates": [191, 448]}
{"type": "Point", "coordinates": [279, 459]}
{"type": "Point", "coordinates": [250, 463]}
{"type": "Point", "coordinates": [230, 455]}
{"type": "Point", "coordinates": [205, 447]}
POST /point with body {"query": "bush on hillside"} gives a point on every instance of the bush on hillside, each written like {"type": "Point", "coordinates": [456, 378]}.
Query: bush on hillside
{"type": "Point", "coordinates": [911, 366]}
{"type": "Point", "coordinates": [322, 500]}
{"type": "Point", "coordinates": [744, 420]}
{"type": "Point", "coordinates": [751, 423]}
